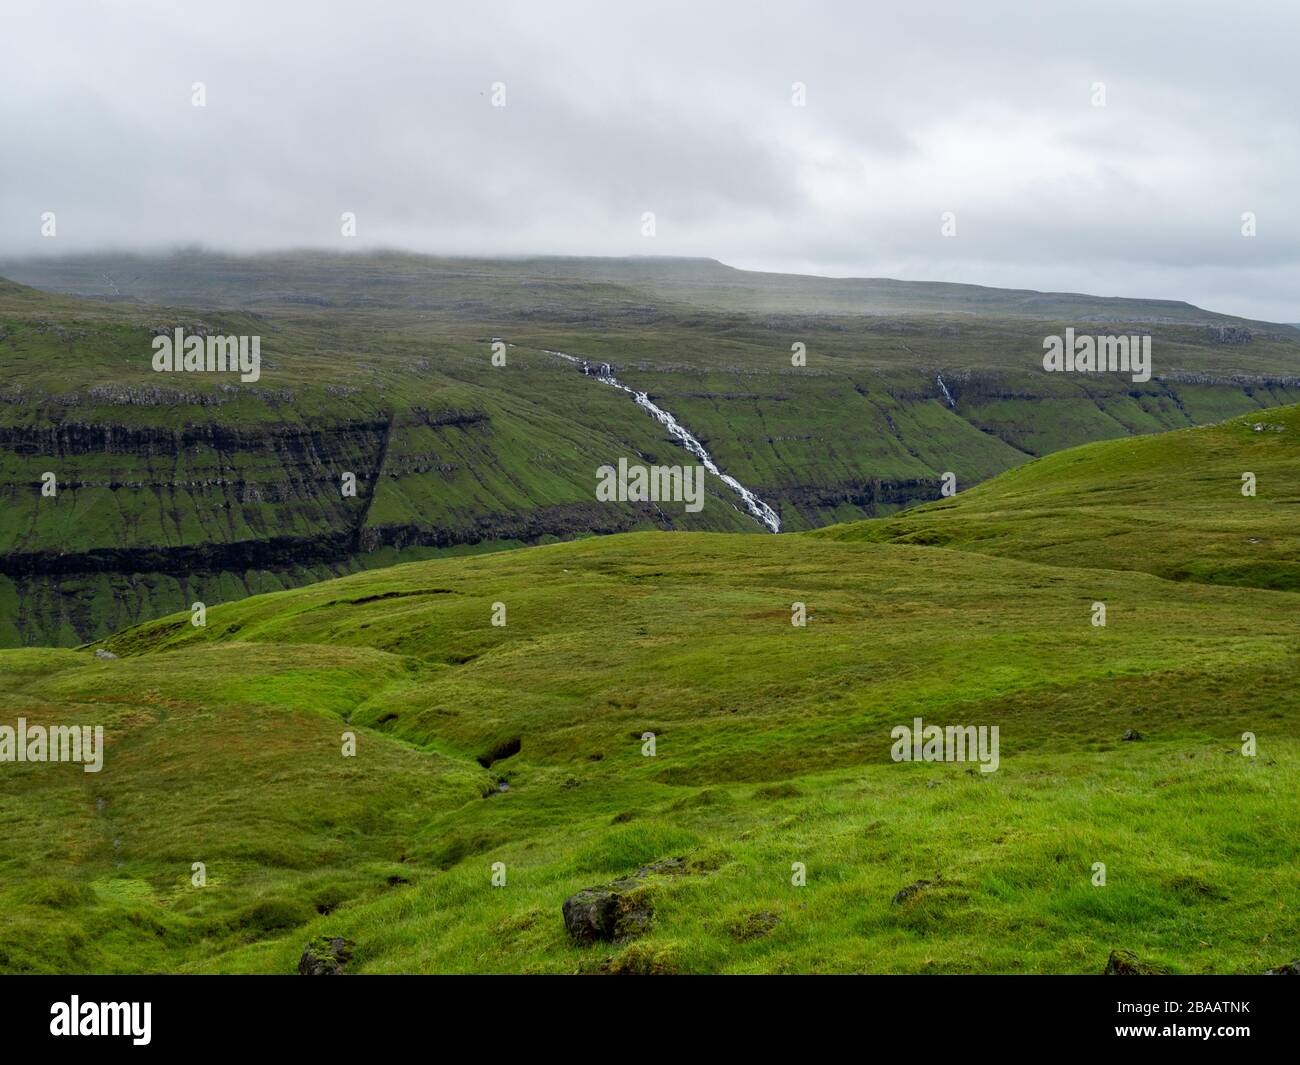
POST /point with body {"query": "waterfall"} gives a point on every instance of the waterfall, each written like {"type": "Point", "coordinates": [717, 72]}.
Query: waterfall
{"type": "Point", "coordinates": [946, 394]}
{"type": "Point", "coordinates": [602, 373]}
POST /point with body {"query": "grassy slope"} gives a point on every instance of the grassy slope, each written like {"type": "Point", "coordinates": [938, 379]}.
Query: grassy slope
{"type": "Point", "coordinates": [772, 748]}
{"type": "Point", "coordinates": [1171, 505]}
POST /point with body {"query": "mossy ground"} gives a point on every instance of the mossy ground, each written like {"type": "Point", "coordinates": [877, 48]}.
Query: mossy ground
{"type": "Point", "coordinates": [772, 747]}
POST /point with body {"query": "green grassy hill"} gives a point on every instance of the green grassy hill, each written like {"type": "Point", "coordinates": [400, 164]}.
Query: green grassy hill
{"type": "Point", "coordinates": [772, 748]}
{"type": "Point", "coordinates": [1171, 505]}
{"type": "Point", "coordinates": [176, 488]}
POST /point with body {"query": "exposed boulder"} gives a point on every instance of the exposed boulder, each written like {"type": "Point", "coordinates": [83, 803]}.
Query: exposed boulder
{"type": "Point", "coordinates": [101, 653]}
{"type": "Point", "coordinates": [325, 956]}
{"type": "Point", "coordinates": [619, 910]}
{"type": "Point", "coordinates": [1132, 734]}
{"type": "Point", "coordinates": [1291, 968]}
{"type": "Point", "coordinates": [607, 914]}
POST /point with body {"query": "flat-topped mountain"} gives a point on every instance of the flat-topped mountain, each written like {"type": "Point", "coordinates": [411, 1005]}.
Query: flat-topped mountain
{"type": "Point", "coordinates": [404, 280]}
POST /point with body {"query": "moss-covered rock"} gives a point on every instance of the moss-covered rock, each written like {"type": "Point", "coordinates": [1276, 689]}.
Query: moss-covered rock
{"type": "Point", "coordinates": [325, 956]}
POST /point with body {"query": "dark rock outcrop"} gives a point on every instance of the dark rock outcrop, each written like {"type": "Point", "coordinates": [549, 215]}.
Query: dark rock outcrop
{"type": "Point", "coordinates": [1228, 334]}
{"type": "Point", "coordinates": [607, 914]}
{"type": "Point", "coordinates": [619, 910]}
{"type": "Point", "coordinates": [325, 956]}
{"type": "Point", "coordinates": [869, 496]}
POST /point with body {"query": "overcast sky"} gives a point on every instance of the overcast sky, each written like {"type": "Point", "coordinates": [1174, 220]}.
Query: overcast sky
{"type": "Point", "coordinates": [613, 109]}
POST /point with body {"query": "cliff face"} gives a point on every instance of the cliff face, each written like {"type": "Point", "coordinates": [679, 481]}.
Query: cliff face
{"type": "Point", "coordinates": [150, 518]}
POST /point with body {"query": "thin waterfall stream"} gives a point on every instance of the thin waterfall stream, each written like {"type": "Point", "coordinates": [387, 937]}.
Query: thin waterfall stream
{"type": "Point", "coordinates": [602, 373]}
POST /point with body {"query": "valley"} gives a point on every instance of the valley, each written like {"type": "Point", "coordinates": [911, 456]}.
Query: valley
{"type": "Point", "coordinates": [197, 487]}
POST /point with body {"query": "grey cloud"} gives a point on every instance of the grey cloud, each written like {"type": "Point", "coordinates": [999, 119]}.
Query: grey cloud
{"type": "Point", "coordinates": [383, 108]}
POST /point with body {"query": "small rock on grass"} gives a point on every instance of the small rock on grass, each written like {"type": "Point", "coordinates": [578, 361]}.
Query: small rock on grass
{"type": "Point", "coordinates": [607, 914]}
{"type": "Point", "coordinates": [325, 956]}
{"type": "Point", "coordinates": [619, 910]}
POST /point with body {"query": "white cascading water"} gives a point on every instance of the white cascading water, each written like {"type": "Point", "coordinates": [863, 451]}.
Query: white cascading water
{"type": "Point", "coordinates": [601, 372]}
{"type": "Point", "coordinates": [946, 394]}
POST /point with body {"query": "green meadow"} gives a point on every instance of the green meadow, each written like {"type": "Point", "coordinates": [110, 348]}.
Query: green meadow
{"type": "Point", "coordinates": [500, 768]}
